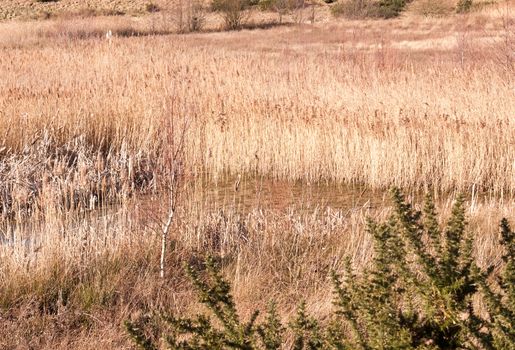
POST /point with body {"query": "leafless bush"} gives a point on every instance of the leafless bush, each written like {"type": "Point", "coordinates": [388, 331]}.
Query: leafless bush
{"type": "Point", "coordinates": [283, 7]}
{"type": "Point", "coordinates": [432, 8]}
{"type": "Point", "coordinates": [190, 16]}
{"type": "Point", "coordinates": [234, 12]}
{"type": "Point", "coordinates": [352, 9]}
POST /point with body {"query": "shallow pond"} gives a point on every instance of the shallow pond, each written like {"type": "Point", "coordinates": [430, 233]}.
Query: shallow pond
{"type": "Point", "coordinates": [247, 194]}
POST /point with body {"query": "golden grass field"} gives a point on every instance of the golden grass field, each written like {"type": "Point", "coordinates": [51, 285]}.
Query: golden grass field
{"type": "Point", "coordinates": [93, 127]}
{"type": "Point", "coordinates": [351, 106]}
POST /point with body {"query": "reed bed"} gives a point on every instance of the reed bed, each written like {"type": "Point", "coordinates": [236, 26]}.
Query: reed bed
{"type": "Point", "coordinates": [418, 104]}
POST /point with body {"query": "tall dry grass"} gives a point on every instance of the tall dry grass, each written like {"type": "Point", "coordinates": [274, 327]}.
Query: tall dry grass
{"type": "Point", "coordinates": [418, 104]}
{"type": "Point", "coordinates": [82, 277]}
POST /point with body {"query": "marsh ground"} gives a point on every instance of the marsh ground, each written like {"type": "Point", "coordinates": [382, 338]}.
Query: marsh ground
{"type": "Point", "coordinates": [93, 128]}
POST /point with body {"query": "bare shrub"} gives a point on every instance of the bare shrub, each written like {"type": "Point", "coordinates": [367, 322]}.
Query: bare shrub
{"type": "Point", "coordinates": [352, 8]}
{"type": "Point", "coordinates": [463, 6]}
{"type": "Point", "coordinates": [369, 8]}
{"type": "Point", "coordinates": [432, 8]}
{"type": "Point", "coordinates": [190, 16]}
{"type": "Point", "coordinates": [233, 12]}
{"type": "Point", "coordinates": [284, 7]}
{"type": "Point", "coordinates": [152, 7]}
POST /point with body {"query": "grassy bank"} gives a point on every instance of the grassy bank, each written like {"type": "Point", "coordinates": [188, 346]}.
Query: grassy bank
{"type": "Point", "coordinates": [83, 279]}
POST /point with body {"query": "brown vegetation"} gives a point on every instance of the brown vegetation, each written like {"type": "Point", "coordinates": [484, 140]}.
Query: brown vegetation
{"type": "Point", "coordinates": [87, 121]}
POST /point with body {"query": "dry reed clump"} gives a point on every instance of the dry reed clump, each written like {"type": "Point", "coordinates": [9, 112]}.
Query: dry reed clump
{"type": "Point", "coordinates": [71, 177]}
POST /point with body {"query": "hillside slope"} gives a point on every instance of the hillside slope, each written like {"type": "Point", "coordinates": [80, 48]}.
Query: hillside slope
{"type": "Point", "coordinates": [34, 9]}
{"type": "Point", "coordinates": [30, 9]}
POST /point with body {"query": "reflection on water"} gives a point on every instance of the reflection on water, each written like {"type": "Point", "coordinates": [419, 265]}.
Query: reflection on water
{"type": "Point", "coordinates": [246, 194]}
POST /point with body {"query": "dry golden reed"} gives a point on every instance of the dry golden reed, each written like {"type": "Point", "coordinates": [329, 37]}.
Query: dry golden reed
{"type": "Point", "coordinates": [415, 103]}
